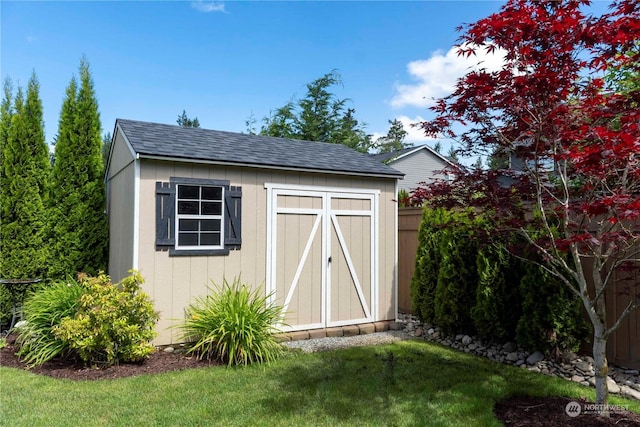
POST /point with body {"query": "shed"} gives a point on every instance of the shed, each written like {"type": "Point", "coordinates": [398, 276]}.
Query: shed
{"type": "Point", "coordinates": [312, 224]}
{"type": "Point", "coordinates": [419, 164]}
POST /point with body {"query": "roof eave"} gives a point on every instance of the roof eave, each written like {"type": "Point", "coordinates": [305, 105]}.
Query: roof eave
{"type": "Point", "coordinates": [399, 175]}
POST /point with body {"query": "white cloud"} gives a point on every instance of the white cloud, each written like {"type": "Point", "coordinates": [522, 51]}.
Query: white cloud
{"type": "Point", "coordinates": [208, 6]}
{"type": "Point", "coordinates": [415, 134]}
{"type": "Point", "coordinates": [436, 77]}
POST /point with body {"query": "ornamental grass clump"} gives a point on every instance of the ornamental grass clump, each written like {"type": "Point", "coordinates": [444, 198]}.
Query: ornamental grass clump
{"type": "Point", "coordinates": [43, 311]}
{"type": "Point", "coordinates": [234, 325]}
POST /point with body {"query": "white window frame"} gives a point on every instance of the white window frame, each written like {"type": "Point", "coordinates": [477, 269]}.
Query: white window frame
{"type": "Point", "coordinates": [178, 217]}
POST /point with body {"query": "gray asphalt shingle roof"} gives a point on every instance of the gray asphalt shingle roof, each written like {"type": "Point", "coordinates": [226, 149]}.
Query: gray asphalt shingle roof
{"type": "Point", "coordinates": [170, 141]}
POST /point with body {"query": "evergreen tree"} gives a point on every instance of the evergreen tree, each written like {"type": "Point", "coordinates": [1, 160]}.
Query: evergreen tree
{"type": "Point", "coordinates": [24, 178]}
{"type": "Point", "coordinates": [186, 122]}
{"type": "Point", "coordinates": [79, 224]}
{"type": "Point", "coordinates": [106, 147]}
{"type": "Point", "coordinates": [319, 116]}
{"type": "Point", "coordinates": [394, 138]}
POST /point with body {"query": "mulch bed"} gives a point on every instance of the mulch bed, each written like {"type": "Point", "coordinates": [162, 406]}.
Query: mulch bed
{"type": "Point", "coordinates": [516, 411]}
{"type": "Point", "coordinates": [61, 368]}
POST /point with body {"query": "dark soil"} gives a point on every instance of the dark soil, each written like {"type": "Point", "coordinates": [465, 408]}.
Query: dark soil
{"type": "Point", "coordinates": [516, 411]}
{"type": "Point", "coordinates": [550, 411]}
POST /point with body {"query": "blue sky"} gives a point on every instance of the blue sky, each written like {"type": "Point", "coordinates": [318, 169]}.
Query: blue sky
{"type": "Point", "coordinates": [223, 61]}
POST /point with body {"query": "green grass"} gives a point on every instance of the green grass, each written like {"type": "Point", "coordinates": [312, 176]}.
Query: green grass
{"type": "Point", "coordinates": [423, 384]}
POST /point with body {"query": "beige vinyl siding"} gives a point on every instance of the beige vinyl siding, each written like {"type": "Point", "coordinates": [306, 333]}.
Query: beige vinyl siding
{"type": "Point", "coordinates": [420, 166]}
{"type": "Point", "coordinates": [173, 282]}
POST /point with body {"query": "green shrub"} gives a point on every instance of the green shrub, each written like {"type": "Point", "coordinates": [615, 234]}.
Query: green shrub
{"type": "Point", "coordinates": [457, 281]}
{"type": "Point", "coordinates": [552, 319]}
{"type": "Point", "coordinates": [498, 306]}
{"type": "Point", "coordinates": [233, 324]}
{"type": "Point", "coordinates": [113, 323]}
{"type": "Point", "coordinates": [428, 258]}
{"type": "Point", "coordinates": [5, 308]}
{"type": "Point", "coordinates": [90, 319]}
{"type": "Point", "coordinates": [43, 311]}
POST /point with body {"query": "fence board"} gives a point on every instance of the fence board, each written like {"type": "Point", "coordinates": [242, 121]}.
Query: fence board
{"type": "Point", "coordinates": [408, 225]}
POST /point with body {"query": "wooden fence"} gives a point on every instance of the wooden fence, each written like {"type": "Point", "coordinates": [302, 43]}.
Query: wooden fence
{"type": "Point", "coordinates": [623, 346]}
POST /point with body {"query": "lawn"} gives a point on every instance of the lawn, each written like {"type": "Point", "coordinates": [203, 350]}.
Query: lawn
{"type": "Point", "coordinates": [405, 383]}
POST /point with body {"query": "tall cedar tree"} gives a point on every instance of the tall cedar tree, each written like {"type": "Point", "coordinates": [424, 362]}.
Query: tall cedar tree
{"type": "Point", "coordinates": [79, 225]}
{"type": "Point", "coordinates": [319, 116]}
{"type": "Point", "coordinates": [24, 176]}
{"type": "Point", "coordinates": [394, 139]}
{"type": "Point", "coordinates": [577, 140]}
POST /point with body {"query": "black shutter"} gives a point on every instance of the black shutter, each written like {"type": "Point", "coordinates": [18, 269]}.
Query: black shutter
{"type": "Point", "coordinates": [165, 215]}
{"type": "Point", "coordinates": [233, 218]}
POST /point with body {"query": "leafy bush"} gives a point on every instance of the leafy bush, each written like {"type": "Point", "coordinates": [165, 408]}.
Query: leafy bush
{"type": "Point", "coordinates": [89, 318]}
{"type": "Point", "coordinates": [43, 311]}
{"type": "Point", "coordinates": [233, 324]}
{"type": "Point", "coordinates": [113, 323]}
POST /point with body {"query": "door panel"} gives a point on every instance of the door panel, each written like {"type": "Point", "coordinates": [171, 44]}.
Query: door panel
{"type": "Point", "coordinates": [322, 263]}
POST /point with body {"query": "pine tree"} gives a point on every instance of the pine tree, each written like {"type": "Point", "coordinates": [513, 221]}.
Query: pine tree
{"type": "Point", "coordinates": [24, 177]}
{"type": "Point", "coordinates": [79, 224]}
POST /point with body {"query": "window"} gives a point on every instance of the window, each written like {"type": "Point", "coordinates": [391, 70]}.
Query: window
{"type": "Point", "coordinates": [197, 217]}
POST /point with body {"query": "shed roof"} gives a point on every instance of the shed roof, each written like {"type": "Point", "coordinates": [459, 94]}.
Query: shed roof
{"type": "Point", "coordinates": [171, 142]}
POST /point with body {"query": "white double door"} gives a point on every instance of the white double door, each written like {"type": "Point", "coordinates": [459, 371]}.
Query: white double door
{"type": "Point", "coordinates": [322, 246]}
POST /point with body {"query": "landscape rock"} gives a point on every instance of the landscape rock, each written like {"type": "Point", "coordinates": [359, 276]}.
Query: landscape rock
{"type": "Point", "coordinates": [570, 367]}
{"type": "Point", "coordinates": [512, 357]}
{"type": "Point", "coordinates": [535, 358]}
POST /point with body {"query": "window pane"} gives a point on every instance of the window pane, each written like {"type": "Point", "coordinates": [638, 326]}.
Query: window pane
{"type": "Point", "coordinates": [187, 239]}
{"type": "Point", "coordinates": [211, 193]}
{"type": "Point", "coordinates": [210, 225]}
{"type": "Point", "coordinates": [188, 225]}
{"type": "Point", "coordinates": [210, 239]}
{"type": "Point", "coordinates": [188, 208]}
{"type": "Point", "coordinates": [188, 192]}
{"type": "Point", "coordinates": [211, 208]}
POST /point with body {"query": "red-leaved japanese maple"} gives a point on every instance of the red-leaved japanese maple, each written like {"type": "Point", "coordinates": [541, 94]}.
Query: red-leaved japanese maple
{"type": "Point", "coordinates": [575, 135]}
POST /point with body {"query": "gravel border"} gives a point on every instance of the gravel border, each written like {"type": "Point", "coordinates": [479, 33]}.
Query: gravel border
{"type": "Point", "coordinates": [333, 343]}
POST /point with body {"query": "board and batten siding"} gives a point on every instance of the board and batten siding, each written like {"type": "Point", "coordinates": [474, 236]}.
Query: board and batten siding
{"type": "Point", "coordinates": [418, 167]}
{"type": "Point", "coordinates": [173, 282]}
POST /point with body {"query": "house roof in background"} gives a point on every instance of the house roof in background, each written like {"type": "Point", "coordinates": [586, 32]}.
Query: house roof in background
{"type": "Point", "coordinates": [392, 156]}
{"type": "Point", "coordinates": [171, 142]}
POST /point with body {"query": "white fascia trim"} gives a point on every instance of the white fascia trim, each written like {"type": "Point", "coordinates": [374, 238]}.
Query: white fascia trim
{"type": "Point", "coordinates": [395, 256]}
{"type": "Point", "coordinates": [136, 213]}
{"type": "Point", "coordinates": [429, 149]}
{"type": "Point", "coordinates": [261, 166]}
{"type": "Point", "coordinates": [306, 188]}
{"type": "Point", "coordinates": [270, 259]}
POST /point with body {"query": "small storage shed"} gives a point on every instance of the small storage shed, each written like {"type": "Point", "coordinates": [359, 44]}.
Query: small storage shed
{"type": "Point", "coordinates": [312, 224]}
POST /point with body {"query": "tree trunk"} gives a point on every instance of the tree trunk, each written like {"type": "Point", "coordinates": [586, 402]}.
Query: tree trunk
{"type": "Point", "coordinates": [602, 369]}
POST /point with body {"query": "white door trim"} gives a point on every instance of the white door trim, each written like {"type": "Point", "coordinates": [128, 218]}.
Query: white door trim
{"type": "Point", "coordinates": [326, 219]}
